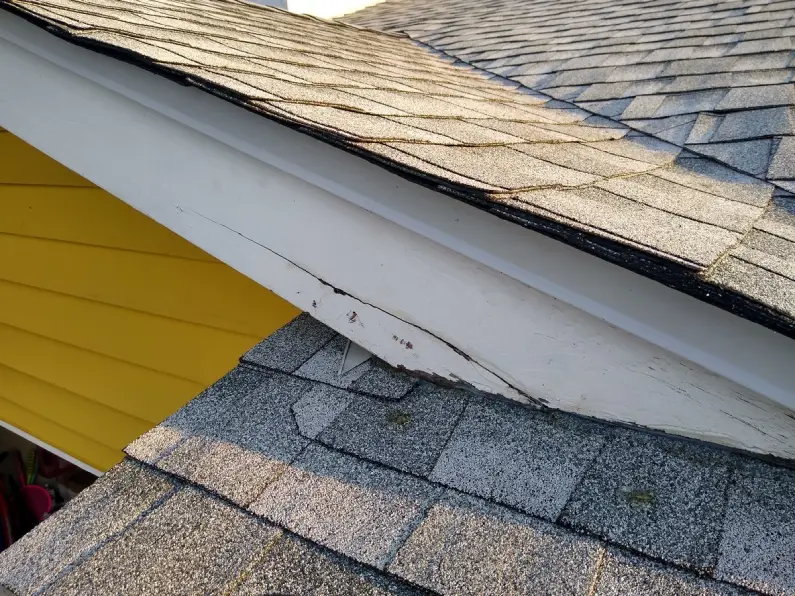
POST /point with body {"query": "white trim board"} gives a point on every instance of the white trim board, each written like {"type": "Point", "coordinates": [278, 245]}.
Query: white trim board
{"type": "Point", "coordinates": [65, 456]}
{"type": "Point", "coordinates": [478, 299]}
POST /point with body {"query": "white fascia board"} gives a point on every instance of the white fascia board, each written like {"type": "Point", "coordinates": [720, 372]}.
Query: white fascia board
{"type": "Point", "coordinates": [63, 455]}
{"type": "Point", "coordinates": [479, 300]}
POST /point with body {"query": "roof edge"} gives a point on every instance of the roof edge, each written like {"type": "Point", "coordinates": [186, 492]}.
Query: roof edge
{"type": "Point", "coordinates": [383, 260]}
{"type": "Point", "coordinates": [679, 274]}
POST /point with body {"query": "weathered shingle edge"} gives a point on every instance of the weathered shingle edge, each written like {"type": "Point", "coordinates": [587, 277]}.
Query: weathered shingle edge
{"type": "Point", "coordinates": [676, 275]}
{"type": "Point", "coordinates": [577, 533]}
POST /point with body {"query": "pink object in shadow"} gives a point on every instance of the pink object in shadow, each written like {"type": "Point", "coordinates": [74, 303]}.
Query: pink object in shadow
{"type": "Point", "coordinates": [38, 501]}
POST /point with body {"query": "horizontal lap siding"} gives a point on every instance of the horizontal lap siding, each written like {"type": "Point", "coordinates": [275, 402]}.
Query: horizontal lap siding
{"type": "Point", "coordinates": [108, 321]}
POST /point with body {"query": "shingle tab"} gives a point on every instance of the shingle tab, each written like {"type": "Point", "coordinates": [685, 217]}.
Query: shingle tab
{"type": "Point", "coordinates": [641, 148]}
{"type": "Point", "coordinates": [289, 347]}
{"type": "Point", "coordinates": [325, 365]}
{"type": "Point", "coordinates": [318, 408]}
{"type": "Point", "coordinates": [499, 166]}
{"type": "Point", "coordinates": [192, 544]}
{"type": "Point", "coordinates": [384, 381]}
{"type": "Point", "coordinates": [597, 160]}
{"type": "Point", "coordinates": [598, 210]}
{"type": "Point", "coordinates": [754, 97]}
{"type": "Point", "coordinates": [237, 455]}
{"type": "Point", "coordinates": [363, 127]}
{"type": "Point", "coordinates": [690, 103]}
{"type": "Point", "coordinates": [469, 546]}
{"type": "Point", "coordinates": [702, 174]}
{"type": "Point", "coordinates": [755, 123]}
{"type": "Point", "coordinates": [782, 165]}
{"type": "Point", "coordinates": [510, 455]}
{"type": "Point", "coordinates": [752, 156]}
{"type": "Point", "coordinates": [351, 506]}
{"type": "Point", "coordinates": [624, 574]}
{"type": "Point", "coordinates": [295, 566]}
{"type": "Point", "coordinates": [643, 106]}
{"type": "Point", "coordinates": [209, 409]}
{"type": "Point", "coordinates": [408, 435]}
{"type": "Point", "coordinates": [740, 275]}
{"type": "Point", "coordinates": [662, 498]}
{"type": "Point", "coordinates": [704, 128]}
{"type": "Point", "coordinates": [688, 202]}
{"type": "Point", "coordinates": [759, 530]}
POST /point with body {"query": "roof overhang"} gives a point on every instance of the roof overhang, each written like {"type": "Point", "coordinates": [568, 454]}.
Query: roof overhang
{"type": "Point", "coordinates": [424, 281]}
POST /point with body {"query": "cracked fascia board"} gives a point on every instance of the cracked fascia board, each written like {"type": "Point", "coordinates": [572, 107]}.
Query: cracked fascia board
{"type": "Point", "coordinates": [332, 305]}
{"type": "Point", "coordinates": [493, 380]}
{"type": "Point", "coordinates": [422, 301]}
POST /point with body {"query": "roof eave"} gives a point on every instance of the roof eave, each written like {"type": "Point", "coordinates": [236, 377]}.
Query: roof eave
{"type": "Point", "coordinates": [424, 281]}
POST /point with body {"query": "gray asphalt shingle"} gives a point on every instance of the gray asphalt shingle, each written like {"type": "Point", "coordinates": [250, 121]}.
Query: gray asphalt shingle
{"type": "Point", "coordinates": [236, 455]}
{"type": "Point", "coordinates": [706, 175]}
{"type": "Point", "coordinates": [348, 505]}
{"type": "Point", "coordinates": [666, 58]}
{"type": "Point", "coordinates": [324, 366]}
{"type": "Point", "coordinates": [335, 523]}
{"type": "Point", "coordinates": [662, 498]}
{"type": "Point", "coordinates": [469, 546]}
{"type": "Point", "coordinates": [753, 156]}
{"type": "Point", "coordinates": [209, 409]}
{"type": "Point", "coordinates": [643, 106]}
{"type": "Point", "coordinates": [700, 206]}
{"type": "Point", "coordinates": [690, 103]}
{"type": "Point", "coordinates": [384, 381]}
{"type": "Point", "coordinates": [755, 123]}
{"type": "Point", "coordinates": [749, 278]}
{"type": "Point", "coordinates": [408, 435]}
{"type": "Point", "coordinates": [318, 408]}
{"type": "Point", "coordinates": [191, 544]}
{"type": "Point", "coordinates": [759, 530]}
{"type": "Point", "coordinates": [624, 574]}
{"type": "Point", "coordinates": [292, 345]}
{"type": "Point", "coordinates": [295, 566]}
{"type": "Point", "coordinates": [754, 97]}
{"type": "Point", "coordinates": [647, 226]}
{"type": "Point", "coordinates": [782, 165]}
{"type": "Point", "coordinates": [510, 455]}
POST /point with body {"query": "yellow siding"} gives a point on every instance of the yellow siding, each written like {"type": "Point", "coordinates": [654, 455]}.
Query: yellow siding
{"type": "Point", "coordinates": [108, 321]}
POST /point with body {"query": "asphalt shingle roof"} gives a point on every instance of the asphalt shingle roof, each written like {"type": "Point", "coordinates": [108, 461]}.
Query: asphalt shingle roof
{"type": "Point", "coordinates": [646, 63]}
{"type": "Point", "coordinates": [645, 203]}
{"type": "Point", "coordinates": [515, 501]}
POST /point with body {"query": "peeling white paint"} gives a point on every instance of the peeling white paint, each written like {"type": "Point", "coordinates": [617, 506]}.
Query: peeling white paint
{"type": "Point", "coordinates": [436, 285]}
